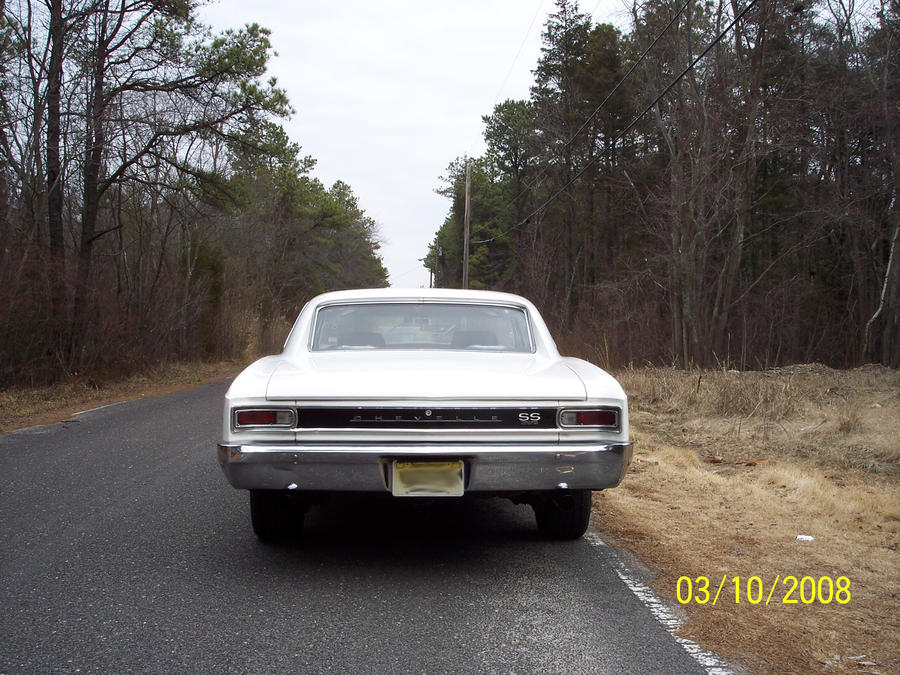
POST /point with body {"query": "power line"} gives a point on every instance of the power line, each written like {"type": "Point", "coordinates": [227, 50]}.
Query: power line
{"type": "Point", "coordinates": [630, 70]}
{"type": "Point", "coordinates": [519, 52]}
{"type": "Point", "coordinates": [631, 124]}
{"type": "Point", "coordinates": [593, 114]}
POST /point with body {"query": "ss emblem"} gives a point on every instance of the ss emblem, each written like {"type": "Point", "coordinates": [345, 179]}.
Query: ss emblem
{"type": "Point", "coordinates": [530, 418]}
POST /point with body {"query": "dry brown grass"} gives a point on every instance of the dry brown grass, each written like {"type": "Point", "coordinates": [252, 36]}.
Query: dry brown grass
{"type": "Point", "coordinates": [834, 419]}
{"type": "Point", "coordinates": [27, 406]}
{"type": "Point", "coordinates": [731, 467]}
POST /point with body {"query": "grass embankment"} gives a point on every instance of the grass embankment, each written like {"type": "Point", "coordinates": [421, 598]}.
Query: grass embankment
{"type": "Point", "coordinates": [729, 468]}
{"type": "Point", "coordinates": [29, 406]}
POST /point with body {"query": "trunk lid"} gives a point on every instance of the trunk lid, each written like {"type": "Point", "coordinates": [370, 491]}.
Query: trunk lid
{"type": "Point", "coordinates": [372, 375]}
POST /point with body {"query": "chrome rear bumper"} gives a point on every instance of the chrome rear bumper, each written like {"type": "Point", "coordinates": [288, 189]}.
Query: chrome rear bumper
{"type": "Point", "coordinates": [488, 468]}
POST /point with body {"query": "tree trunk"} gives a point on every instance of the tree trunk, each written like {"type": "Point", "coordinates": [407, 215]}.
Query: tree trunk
{"type": "Point", "coordinates": [94, 141]}
{"type": "Point", "coordinates": [890, 337]}
{"type": "Point", "coordinates": [55, 180]}
{"type": "Point", "coordinates": [54, 168]}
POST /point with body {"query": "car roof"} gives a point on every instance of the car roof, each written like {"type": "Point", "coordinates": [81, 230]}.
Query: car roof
{"type": "Point", "coordinates": [543, 341]}
{"type": "Point", "coordinates": [418, 294]}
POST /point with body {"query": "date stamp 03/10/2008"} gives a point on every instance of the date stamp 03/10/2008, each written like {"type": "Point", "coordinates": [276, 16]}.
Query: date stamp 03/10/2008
{"type": "Point", "coordinates": [788, 590]}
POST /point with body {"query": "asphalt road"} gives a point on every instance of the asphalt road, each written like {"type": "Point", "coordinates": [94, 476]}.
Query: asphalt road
{"type": "Point", "coordinates": [124, 549]}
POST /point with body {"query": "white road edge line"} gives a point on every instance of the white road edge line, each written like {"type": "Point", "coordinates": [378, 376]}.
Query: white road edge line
{"type": "Point", "coordinates": [707, 660]}
{"type": "Point", "coordinates": [108, 405]}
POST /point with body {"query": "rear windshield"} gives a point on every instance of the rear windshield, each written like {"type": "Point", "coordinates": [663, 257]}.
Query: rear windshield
{"type": "Point", "coordinates": [421, 326]}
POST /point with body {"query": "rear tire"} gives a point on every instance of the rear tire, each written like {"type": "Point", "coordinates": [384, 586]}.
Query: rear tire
{"type": "Point", "coordinates": [564, 514]}
{"type": "Point", "coordinates": [276, 515]}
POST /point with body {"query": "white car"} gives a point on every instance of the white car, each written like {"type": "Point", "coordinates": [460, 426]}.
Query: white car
{"type": "Point", "coordinates": [425, 393]}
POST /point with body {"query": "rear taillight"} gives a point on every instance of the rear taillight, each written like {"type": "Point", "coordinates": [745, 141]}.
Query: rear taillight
{"type": "Point", "coordinates": [280, 417]}
{"type": "Point", "coordinates": [598, 417]}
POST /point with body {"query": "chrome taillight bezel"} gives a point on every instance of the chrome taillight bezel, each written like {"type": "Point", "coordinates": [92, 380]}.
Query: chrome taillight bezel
{"type": "Point", "coordinates": [564, 423]}
{"type": "Point", "coordinates": [287, 417]}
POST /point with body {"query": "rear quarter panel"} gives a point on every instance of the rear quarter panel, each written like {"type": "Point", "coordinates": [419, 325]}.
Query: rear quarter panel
{"type": "Point", "coordinates": [601, 389]}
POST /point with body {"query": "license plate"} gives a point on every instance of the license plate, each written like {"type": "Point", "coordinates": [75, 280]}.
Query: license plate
{"type": "Point", "coordinates": [427, 479]}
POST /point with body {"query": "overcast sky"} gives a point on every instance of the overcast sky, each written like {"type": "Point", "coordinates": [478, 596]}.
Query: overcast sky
{"type": "Point", "coordinates": [387, 93]}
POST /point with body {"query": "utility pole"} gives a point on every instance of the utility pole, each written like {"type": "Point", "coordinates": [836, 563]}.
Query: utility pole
{"type": "Point", "coordinates": [465, 274]}
{"type": "Point", "coordinates": [433, 271]}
